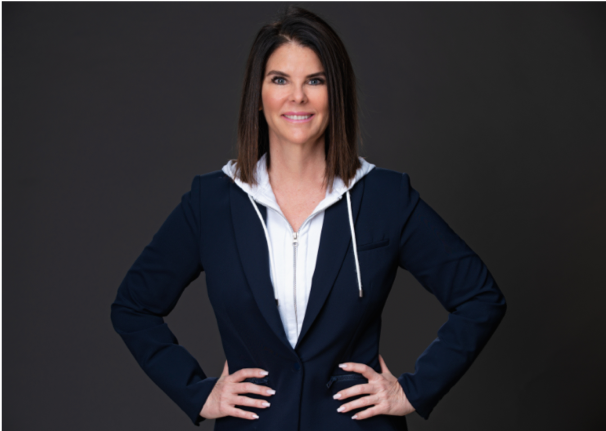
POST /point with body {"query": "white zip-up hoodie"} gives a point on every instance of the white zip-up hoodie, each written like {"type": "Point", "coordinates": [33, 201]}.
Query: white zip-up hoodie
{"type": "Point", "coordinates": [292, 255]}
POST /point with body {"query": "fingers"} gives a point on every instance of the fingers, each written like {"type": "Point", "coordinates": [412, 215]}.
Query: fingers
{"type": "Point", "coordinates": [360, 402]}
{"type": "Point", "coordinates": [225, 370]}
{"type": "Point", "coordinates": [246, 373]}
{"type": "Point", "coordinates": [355, 390]}
{"type": "Point", "coordinates": [252, 388]}
{"type": "Point", "coordinates": [250, 402]}
{"type": "Point", "coordinates": [384, 368]}
{"type": "Point", "coordinates": [363, 369]}
{"type": "Point", "coordinates": [231, 399]}
{"type": "Point", "coordinates": [238, 400]}
{"type": "Point", "coordinates": [239, 413]}
{"type": "Point", "coordinates": [365, 414]}
{"type": "Point", "coordinates": [386, 395]}
{"type": "Point", "coordinates": [225, 395]}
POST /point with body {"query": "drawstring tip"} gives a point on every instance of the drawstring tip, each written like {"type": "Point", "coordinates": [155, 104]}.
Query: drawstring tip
{"type": "Point", "coordinates": [360, 293]}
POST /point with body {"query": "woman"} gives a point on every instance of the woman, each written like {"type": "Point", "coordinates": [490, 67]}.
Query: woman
{"type": "Point", "coordinates": [300, 240]}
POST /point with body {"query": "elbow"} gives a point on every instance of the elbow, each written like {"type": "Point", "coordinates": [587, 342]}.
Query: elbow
{"type": "Point", "coordinates": [125, 313]}
{"type": "Point", "coordinates": [491, 308]}
{"type": "Point", "coordinates": [502, 307]}
{"type": "Point", "coordinates": [120, 309]}
{"type": "Point", "coordinates": [495, 310]}
{"type": "Point", "coordinates": [117, 314]}
{"type": "Point", "coordinates": [501, 303]}
{"type": "Point", "coordinates": [498, 304]}
{"type": "Point", "coordinates": [127, 318]}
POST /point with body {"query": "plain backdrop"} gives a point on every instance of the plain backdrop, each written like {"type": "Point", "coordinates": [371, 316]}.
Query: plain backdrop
{"type": "Point", "coordinates": [496, 110]}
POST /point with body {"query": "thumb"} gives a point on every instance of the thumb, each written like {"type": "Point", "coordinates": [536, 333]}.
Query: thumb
{"type": "Point", "coordinates": [225, 370]}
{"type": "Point", "coordinates": [384, 368]}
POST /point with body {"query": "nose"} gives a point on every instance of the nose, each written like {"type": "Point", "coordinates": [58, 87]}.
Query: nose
{"type": "Point", "coordinates": [298, 95]}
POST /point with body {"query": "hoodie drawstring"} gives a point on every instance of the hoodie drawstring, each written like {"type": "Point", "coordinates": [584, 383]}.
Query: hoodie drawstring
{"type": "Point", "coordinates": [353, 239]}
{"type": "Point", "coordinates": [271, 253]}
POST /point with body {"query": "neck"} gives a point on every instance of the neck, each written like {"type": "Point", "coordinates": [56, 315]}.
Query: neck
{"type": "Point", "coordinates": [297, 165]}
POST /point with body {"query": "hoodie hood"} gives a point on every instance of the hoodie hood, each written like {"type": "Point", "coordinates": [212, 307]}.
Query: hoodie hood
{"type": "Point", "coordinates": [263, 193]}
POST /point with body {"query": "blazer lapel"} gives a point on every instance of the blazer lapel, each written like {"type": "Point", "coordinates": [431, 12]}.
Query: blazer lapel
{"type": "Point", "coordinates": [254, 255]}
{"type": "Point", "coordinates": [335, 240]}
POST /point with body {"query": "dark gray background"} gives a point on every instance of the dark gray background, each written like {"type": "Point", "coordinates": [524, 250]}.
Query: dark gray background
{"type": "Point", "coordinates": [497, 111]}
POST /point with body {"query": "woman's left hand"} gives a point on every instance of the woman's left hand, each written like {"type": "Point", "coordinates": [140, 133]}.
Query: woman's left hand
{"type": "Point", "coordinates": [385, 393]}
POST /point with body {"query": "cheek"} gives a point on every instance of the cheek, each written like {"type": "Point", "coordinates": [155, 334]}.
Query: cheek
{"type": "Point", "coordinates": [272, 101]}
{"type": "Point", "coordinates": [323, 107]}
{"type": "Point", "coordinates": [322, 102]}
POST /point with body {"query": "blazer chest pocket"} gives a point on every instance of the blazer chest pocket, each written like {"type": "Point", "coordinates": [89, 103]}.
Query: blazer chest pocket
{"type": "Point", "coordinates": [373, 245]}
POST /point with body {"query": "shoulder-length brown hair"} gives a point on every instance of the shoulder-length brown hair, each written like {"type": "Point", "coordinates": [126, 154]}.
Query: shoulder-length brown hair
{"type": "Point", "coordinates": [306, 29]}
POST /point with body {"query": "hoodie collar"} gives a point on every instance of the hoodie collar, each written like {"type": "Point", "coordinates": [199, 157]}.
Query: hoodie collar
{"type": "Point", "coordinates": [263, 193]}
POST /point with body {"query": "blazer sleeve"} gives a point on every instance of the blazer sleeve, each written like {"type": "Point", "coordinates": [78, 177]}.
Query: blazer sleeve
{"type": "Point", "coordinates": [149, 292]}
{"type": "Point", "coordinates": [445, 265]}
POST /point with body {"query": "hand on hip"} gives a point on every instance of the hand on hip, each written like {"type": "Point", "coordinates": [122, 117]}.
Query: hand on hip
{"type": "Point", "coordinates": [225, 395]}
{"type": "Point", "coordinates": [386, 395]}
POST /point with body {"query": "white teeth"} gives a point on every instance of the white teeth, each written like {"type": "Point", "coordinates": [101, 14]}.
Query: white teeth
{"type": "Point", "coordinates": [298, 117]}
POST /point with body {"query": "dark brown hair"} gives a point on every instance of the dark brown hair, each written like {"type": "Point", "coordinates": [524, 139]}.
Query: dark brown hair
{"type": "Point", "coordinates": [303, 27]}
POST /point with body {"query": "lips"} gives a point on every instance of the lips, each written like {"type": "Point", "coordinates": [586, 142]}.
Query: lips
{"type": "Point", "coordinates": [298, 117]}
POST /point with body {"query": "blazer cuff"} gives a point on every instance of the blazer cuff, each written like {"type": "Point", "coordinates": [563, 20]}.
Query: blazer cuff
{"type": "Point", "coordinates": [203, 390]}
{"type": "Point", "coordinates": [423, 409]}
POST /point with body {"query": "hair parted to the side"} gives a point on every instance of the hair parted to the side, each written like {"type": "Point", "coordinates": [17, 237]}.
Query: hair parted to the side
{"type": "Point", "coordinates": [303, 27]}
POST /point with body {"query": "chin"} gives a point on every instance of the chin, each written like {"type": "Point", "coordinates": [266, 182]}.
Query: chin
{"type": "Point", "coordinates": [296, 140]}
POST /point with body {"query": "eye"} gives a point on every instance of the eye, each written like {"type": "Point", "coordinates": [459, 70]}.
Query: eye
{"type": "Point", "coordinates": [278, 78]}
{"type": "Point", "coordinates": [318, 80]}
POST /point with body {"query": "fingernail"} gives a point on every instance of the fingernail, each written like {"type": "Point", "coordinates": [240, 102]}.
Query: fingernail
{"type": "Point", "coordinates": [265, 404]}
{"type": "Point", "coordinates": [340, 409]}
{"type": "Point", "coordinates": [354, 417]}
{"type": "Point", "coordinates": [337, 396]}
{"type": "Point", "coordinates": [264, 373]}
{"type": "Point", "coordinates": [255, 416]}
{"type": "Point", "coordinates": [271, 392]}
{"type": "Point", "coordinates": [342, 365]}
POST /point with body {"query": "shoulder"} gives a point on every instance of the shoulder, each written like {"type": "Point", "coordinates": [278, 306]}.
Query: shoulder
{"type": "Point", "coordinates": [213, 179]}
{"type": "Point", "coordinates": [209, 191]}
{"type": "Point", "coordinates": [389, 180]}
{"type": "Point", "coordinates": [212, 184]}
{"type": "Point", "coordinates": [388, 185]}
{"type": "Point", "coordinates": [385, 177]}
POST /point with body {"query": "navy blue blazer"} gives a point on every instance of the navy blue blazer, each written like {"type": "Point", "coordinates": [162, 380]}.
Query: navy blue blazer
{"type": "Point", "coordinates": [215, 229]}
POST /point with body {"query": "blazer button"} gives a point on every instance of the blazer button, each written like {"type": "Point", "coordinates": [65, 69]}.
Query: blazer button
{"type": "Point", "coordinates": [296, 366]}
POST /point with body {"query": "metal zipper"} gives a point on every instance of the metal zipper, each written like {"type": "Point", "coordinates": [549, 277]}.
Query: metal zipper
{"type": "Point", "coordinates": [295, 243]}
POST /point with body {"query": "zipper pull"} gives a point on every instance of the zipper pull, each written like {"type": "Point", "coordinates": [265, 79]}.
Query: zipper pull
{"type": "Point", "coordinates": [294, 239]}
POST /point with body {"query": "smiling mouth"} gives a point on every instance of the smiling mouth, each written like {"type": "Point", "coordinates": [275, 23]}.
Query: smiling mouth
{"type": "Point", "coordinates": [298, 118]}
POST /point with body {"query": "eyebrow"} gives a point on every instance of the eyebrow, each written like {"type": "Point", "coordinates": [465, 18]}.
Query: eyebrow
{"type": "Point", "coordinates": [277, 72]}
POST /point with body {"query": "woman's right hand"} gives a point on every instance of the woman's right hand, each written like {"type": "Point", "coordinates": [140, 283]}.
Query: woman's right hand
{"type": "Point", "coordinates": [225, 395]}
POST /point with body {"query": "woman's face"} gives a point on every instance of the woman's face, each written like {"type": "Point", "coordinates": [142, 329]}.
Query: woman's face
{"type": "Point", "coordinates": [295, 96]}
